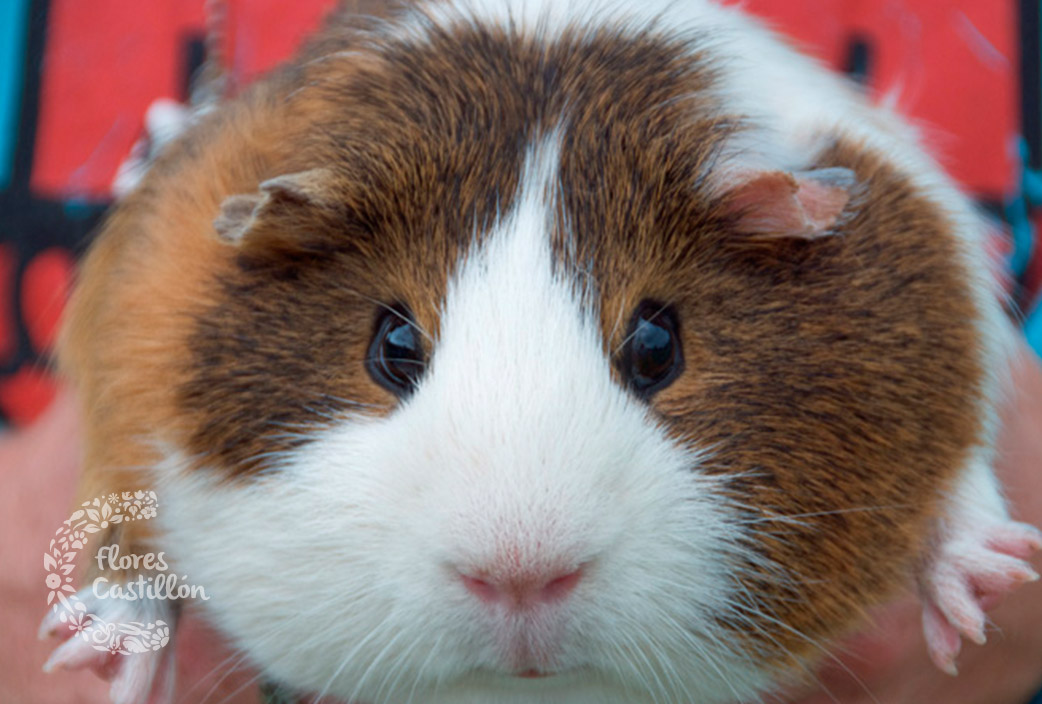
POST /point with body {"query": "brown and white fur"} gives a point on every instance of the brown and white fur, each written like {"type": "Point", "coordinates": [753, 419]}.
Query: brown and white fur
{"type": "Point", "coordinates": [521, 175]}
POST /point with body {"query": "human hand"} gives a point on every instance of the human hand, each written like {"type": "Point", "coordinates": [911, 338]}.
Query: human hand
{"type": "Point", "coordinates": [41, 462]}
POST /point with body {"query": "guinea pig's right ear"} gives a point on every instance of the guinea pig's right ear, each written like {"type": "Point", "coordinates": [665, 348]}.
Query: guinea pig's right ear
{"type": "Point", "coordinates": [774, 204]}
{"type": "Point", "coordinates": [255, 218]}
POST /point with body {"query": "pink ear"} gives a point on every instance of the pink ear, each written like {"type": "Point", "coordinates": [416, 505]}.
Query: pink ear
{"type": "Point", "coordinates": [782, 204]}
{"type": "Point", "coordinates": [241, 214]}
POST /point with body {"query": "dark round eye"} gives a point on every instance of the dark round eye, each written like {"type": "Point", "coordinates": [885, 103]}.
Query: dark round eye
{"type": "Point", "coordinates": [396, 358]}
{"type": "Point", "coordinates": [651, 356]}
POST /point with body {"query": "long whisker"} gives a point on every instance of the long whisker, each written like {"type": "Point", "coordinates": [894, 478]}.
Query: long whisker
{"type": "Point", "coordinates": [372, 665]}
{"type": "Point", "coordinates": [630, 336]}
{"type": "Point", "coordinates": [273, 635]}
{"type": "Point", "coordinates": [396, 667]}
{"type": "Point", "coordinates": [377, 630]}
{"type": "Point", "coordinates": [655, 691]}
{"type": "Point", "coordinates": [236, 659]}
{"type": "Point", "coordinates": [753, 612]}
{"type": "Point", "coordinates": [702, 650]}
{"type": "Point", "coordinates": [794, 517]}
{"type": "Point", "coordinates": [390, 309]}
{"type": "Point", "coordinates": [436, 648]}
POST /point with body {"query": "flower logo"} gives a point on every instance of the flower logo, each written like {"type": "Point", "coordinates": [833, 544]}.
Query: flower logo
{"type": "Point", "coordinates": [91, 517]}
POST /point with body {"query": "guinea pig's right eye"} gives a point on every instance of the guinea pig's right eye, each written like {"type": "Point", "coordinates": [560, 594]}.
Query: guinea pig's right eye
{"type": "Point", "coordinates": [651, 356]}
{"type": "Point", "coordinates": [396, 358]}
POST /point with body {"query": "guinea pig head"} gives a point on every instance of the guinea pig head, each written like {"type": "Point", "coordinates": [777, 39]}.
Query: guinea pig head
{"type": "Point", "coordinates": [510, 394]}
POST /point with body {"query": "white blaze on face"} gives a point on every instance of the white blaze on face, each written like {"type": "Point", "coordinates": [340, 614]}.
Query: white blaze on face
{"type": "Point", "coordinates": [518, 456]}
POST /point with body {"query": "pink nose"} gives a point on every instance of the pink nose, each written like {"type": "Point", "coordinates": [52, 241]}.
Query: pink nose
{"type": "Point", "coordinates": [526, 588]}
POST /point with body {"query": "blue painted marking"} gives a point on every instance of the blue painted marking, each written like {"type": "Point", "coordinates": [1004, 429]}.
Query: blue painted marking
{"type": "Point", "coordinates": [1033, 332]}
{"type": "Point", "coordinates": [13, 27]}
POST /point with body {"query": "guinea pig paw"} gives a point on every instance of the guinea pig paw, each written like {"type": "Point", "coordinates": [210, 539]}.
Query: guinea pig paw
{"type": "Point", "coordinates": [144, 678]}
{"type": "Point", "coordinates": [129, 644]}
{"type": "Point", "coordinates": [970, 574]}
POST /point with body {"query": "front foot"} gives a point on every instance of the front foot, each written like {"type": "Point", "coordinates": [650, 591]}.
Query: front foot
{"type": "Point", "coordinates": [129, 643]}
{"type": "Point", "coordinates": [975, 567]}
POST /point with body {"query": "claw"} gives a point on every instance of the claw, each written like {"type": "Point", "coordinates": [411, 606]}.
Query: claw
{"type": "Point", "coordinates": [942, 640]}
{"type": "Point", "coordinates": [49, 625]}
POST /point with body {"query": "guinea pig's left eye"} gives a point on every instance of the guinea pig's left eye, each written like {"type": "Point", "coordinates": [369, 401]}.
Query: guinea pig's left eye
{"type": "Point", "coordinates": [651, 357]}
{"type": "Point", "coordinates": [396, 358]}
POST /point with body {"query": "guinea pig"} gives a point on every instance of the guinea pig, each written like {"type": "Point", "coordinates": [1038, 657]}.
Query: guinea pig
{"type": "Point", "coordinates": [534, 351]}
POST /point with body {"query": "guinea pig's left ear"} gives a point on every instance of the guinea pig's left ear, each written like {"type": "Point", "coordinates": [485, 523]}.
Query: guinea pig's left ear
{"type": "Point", "coordinates": [242, 217]}
{"type": "Point", "coordinates": [775, 204]}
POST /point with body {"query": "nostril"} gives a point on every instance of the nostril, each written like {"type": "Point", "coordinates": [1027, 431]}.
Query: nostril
{"type": "Point", "coordinates": [560, 587]}
{"type": "Point", "coordinates": [521, 588]}
{"type": "Point", "coordinates": [480, 588]}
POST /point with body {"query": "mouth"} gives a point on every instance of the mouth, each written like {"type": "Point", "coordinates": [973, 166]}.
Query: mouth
{"type": "Point", "coordinates": [533, 674]}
